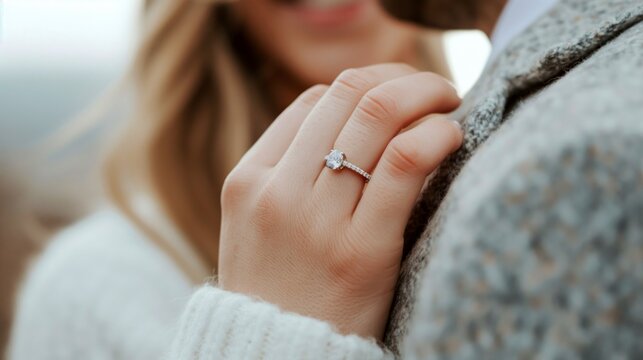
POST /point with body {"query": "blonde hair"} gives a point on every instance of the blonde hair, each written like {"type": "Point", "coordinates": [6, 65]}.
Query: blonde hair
{"type": "Point", "coordinates": [191, 123]}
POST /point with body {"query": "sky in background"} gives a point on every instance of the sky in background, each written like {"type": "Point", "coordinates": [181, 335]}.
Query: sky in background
{"type": "Point", "coordinates": [67, 33]}
{"type": "Point", "coordinates": [58, 55]}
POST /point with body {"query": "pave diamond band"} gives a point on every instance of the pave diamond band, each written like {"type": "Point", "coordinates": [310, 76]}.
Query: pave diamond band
{"type": "Point", "coordinates": [356, 169]}
{"type": "Point", "coordinates": [336, 160]}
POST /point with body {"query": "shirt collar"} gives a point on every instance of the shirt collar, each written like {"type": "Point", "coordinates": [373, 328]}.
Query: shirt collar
{"type": "Point", "coordinates": [516, 17]}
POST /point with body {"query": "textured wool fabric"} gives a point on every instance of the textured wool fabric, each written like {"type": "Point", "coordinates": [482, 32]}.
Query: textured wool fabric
{"type": "Point", "coordinates": [99, 291]}
{"type": "Point", "coordinates": [103, 291]}
{"type": "Point", "coordinates": [528, 242]}
{"type": "Point", "coordinates": [221, 325]}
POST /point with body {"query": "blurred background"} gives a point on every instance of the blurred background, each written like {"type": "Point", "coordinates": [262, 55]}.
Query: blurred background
{"type": "Point", "coordinates": [56, 58]}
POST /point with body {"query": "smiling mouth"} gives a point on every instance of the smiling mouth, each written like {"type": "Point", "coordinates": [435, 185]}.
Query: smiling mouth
{"type": "Point", "coordinates": [326, 15]}
{"type": "Point", "coordinates": [318, 4]}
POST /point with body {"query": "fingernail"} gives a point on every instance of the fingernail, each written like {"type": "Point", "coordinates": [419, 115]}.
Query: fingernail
{"type": "Point", "coordinates": [457, 125]}
{"type": "Point", "coordinates": [452, 84]}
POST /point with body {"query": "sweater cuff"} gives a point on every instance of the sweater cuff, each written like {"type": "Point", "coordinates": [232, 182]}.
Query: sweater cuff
{"type": "Point", "coordinates": [222, 325]}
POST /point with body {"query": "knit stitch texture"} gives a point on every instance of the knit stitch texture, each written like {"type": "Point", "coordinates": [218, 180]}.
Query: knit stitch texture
{"type": "Point", "coordinates": [528, 241]}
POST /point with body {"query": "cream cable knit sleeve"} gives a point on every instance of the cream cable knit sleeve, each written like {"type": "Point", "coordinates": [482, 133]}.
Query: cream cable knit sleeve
{"type": "Point", "coordinates": [102, 291]}
{"type": "Point", "coordinates": [222, 325]}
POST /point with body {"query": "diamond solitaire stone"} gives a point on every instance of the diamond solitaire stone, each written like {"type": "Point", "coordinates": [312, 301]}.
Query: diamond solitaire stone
{"type": "Point", "coordinates": [335, 160]}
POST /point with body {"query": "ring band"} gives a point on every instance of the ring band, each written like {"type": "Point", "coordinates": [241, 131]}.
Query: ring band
{"type": "Point", "coordinates": [336, 160]}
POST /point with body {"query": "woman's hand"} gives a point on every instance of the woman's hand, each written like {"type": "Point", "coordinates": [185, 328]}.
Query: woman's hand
{"type": "Point", "coordinates": [325, 243]}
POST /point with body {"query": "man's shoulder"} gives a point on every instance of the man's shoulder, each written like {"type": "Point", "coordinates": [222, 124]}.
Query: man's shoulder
{"type": "Point", "coordinates": [601, 94]}
{"type": "Point", "coordinates": [598, 99]}
{"type": "Point", "coordinates": [556, 185]}
{"type": "Point", "coordinates": [609, 79]}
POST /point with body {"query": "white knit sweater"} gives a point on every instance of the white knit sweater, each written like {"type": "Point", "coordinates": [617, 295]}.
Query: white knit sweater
{"type": "Point", "coordinates": [103, 291]}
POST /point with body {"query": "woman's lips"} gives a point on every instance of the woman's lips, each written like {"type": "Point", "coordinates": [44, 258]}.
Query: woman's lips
{"type": "Point", "coordinates": [329, 14]}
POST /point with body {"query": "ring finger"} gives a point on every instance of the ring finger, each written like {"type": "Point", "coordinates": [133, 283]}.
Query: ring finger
{"type": "Point", "coordinates": [380, 115]}
{"type": "Point", "coordinates": [321, 127]}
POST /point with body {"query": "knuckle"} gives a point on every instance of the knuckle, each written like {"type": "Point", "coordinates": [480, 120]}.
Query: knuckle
{"type": "Point", "coordinates": [269, 208]}
{"type": "Point", "coordinates": [346, 264]}
{"type": "Point", "coordinates": [377, 107]}
{"type": "Point", "coordinates": [236, 186]}
{"type": "Point", "coordinates": [354, 80]}
{"type": "Point", "coordinates": [352, 263]}
{"type": "Point", "coordinates": [403, 158]}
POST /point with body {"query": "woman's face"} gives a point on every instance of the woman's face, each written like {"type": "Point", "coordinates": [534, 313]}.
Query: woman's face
{"type": "Point", "coordinates": [314, 40]}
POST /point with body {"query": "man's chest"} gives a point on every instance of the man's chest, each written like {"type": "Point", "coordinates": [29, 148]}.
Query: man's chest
{"type": "Point", "coordinates": [559, 106]}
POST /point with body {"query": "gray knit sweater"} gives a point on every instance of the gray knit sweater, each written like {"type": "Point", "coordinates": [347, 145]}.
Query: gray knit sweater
{"type": "Point", "coordinates": [528, 243]}
{"type": "Point", "coordinates": [534, 242]}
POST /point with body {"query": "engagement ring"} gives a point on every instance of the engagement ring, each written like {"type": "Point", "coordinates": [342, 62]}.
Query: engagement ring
{"type": "Point", "coordinates": [336, 160]}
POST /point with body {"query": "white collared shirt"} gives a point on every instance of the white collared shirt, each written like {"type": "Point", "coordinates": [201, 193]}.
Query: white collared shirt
{"type": "Point", "coordinates": [516, 17]}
